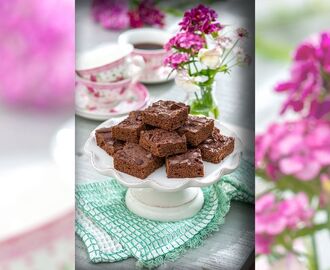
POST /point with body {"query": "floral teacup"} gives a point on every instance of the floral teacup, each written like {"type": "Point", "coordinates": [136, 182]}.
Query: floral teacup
{"type": "Point", "coordinates": [106, 94]}
{"type": "Point", "coordinates": [148, 43]}
{"type": "Point", "coordinates": [109, 62]}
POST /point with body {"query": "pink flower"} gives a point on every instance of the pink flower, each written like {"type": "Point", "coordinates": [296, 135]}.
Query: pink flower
{"type": "Point", "coordinates": [135, 19]}
{"type": "Point", "coordinates": [200, 19]}
{"type": "Point", "coordinates": [146, 13]}
{"type": "Point", "coordinates": [185, 42]}
{"type": "Point", "coordinates": [37, 52]}
{"type": "Point", "coordinates": [323, 51]}
{"type": "Point", "coordinates": [273, 217]}
{"type": "Point", "coordinates": [263, 243]}
{"type": "Point", "coordinates": [268, 219]}
{"type": "Point", "coordinates": [309, 82]}
{"type": "Point", "coordinates": [300, 149]}
{"type": "Point", "coordinates": [150, 14]}
{"type": "Point", "coordinates": [176, 59]}
{"type": "Point", "coordinates": [111, 14]}
{"type": "Point", "coordinates": [320, 109]}
{"type": "Point", "coordinates": [115, 14]}
{"type": "Point", "coordinates": [242, 33]}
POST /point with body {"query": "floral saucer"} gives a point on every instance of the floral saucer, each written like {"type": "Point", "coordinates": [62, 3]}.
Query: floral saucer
{"type": "Point", "coordinates": [136, 98]}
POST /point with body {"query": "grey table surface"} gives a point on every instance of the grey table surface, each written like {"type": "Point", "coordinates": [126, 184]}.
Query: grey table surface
{"type": "Point", "coordinates": [232, 247]}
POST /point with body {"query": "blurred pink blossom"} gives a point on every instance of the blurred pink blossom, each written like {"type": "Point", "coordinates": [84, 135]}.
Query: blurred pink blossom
{"type": "Point", "coordinates": [273, 217]}
{"type": "Point", "coordinates": [37, 52]}
{"type": "Point", "coordinates": [117, 15]}
{"type": "Point", "coordinates": [263, 243]}
{"type": "Point", "coordinates": [308, 87]}
{"type": "Point", "coordinates": [111, 14]}
{"type": "Point", "coordinates": [300, 149]}
{"type": "Point", "coordinates": [146, 13]}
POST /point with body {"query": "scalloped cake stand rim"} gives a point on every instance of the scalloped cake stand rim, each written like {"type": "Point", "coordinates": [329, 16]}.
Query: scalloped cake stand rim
{"type": "Point", "coordinates": [149, 182]}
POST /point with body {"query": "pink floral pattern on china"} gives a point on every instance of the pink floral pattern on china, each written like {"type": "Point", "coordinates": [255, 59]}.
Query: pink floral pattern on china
{"type": "Point", "coordinates": [49, 243]}
{"type": "Point", "coordinates": [152, 60]}
{"type": "Point", "coordinates": [107, 94]}
{"type": "Point", "coordinates": [109, 62]}
{"type": "Point", "coordinates": [108, 73]}
{"type": "Point", "coordinates": [135, 98]}
{"type": "Point", "coordinates": [154, 68]}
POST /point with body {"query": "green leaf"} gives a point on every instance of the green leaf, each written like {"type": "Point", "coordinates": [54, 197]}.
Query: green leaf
{"type": "Point", "coordinates": [311, 230]}
{"type": "Point", "coordinates": [173, 11]}
{"type": "Point", "coordinates": [311, 188]}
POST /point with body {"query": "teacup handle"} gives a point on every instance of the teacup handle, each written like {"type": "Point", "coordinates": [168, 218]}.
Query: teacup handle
{"type": "Point", "coordinates": [136, 65]}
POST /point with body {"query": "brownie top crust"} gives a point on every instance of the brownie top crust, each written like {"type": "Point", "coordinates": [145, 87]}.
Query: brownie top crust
{"type": "Point", "coordinates": [134, 120]}
{"type": "Point", "coordinates": [191, 157]}
{"type": "Point", "coordinates": [216, 140]}
{"type": "Point", "coordinates": [135, 154]}
{"type": "Point", "coordinates": [166, 108]}
{"type": "Point", "coordinates": [105, 135]}
{"type": "Point", "coordinates": [194, 124]}
{"type": "Point", "coordinates": [161, 136]}
{"type": "Point", "coordinates": [103, 130]}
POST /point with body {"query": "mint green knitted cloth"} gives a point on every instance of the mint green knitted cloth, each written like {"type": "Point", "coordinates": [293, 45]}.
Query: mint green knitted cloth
{"type": "Point", "coordinates": [111, 232]}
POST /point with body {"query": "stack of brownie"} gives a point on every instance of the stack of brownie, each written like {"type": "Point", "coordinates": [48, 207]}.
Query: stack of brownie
{"type": "Point", "coordinates": [164, 132]}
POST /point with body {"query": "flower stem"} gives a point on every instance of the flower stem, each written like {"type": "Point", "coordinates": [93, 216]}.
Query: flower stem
{"type": "Point", "coordinates": [310, 230]}
{"type": "Point", "coordinates": [196, 96]}
{"type": "Point", "coordinates": [194, 63]}
{"type": "Point", "coordinates": [230, 50]}
{"type": "Point", "coordinates": [314, 259]}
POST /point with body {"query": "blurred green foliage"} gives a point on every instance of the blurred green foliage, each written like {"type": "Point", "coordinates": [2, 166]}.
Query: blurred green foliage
{"type": "Point", "coordinates": [278, 34]}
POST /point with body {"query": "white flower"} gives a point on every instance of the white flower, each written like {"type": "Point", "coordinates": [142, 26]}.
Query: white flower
{"type": "Point", "coordinates": [183, 80]}
{"type": "Point", "coordinates": [210, 57]}
{"type": "Point", "coordinates": [240, 54]}
{"type": "Point", "coordinates": [224, 42]}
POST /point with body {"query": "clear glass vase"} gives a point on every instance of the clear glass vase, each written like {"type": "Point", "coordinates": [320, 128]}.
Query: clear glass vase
{"type": "Point", "coordinates": [203, 102]}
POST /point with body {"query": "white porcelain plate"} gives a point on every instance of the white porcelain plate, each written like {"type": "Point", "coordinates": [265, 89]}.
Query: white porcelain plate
{"type": "Point", "coordinates": [137, 98]}
{"type": "Point", "coordinates": [158, 180]}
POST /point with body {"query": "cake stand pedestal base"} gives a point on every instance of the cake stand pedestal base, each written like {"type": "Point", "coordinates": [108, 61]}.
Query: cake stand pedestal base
{"type": "Point", "coordinates": [164, 206]}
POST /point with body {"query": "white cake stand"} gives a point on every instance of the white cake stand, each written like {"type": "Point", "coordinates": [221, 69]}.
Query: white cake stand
{"type": "Point", "coordinates": [158, 197]}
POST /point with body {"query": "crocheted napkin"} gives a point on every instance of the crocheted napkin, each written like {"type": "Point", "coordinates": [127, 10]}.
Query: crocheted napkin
{"type": "Point", "coordinates": [111, 232]}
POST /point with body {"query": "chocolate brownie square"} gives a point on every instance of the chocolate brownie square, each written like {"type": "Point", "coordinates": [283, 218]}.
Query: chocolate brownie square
{"type": "Point", "coordinates": [129, 129]}
{"type": "Point", "coordinates": [101, 135]}
{"type": "Point", "coordinates": [161, 143]}
{"type": "Point", "coordinates": [105, 140]}
{"type": "Point", "coordinates": [167, 115]}
{"type": "Point", "coordinates": [216, 147]}
{"type": "Point", "coordinates": [185, 165]}
{"type": "Point", "coordinates": [197, 129]}
{"type": "Point", "coordinates": [134, 160]}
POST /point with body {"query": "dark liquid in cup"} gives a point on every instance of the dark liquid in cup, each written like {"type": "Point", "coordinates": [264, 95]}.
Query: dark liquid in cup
{"type": "Point", "coordinates": [148, 46]}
